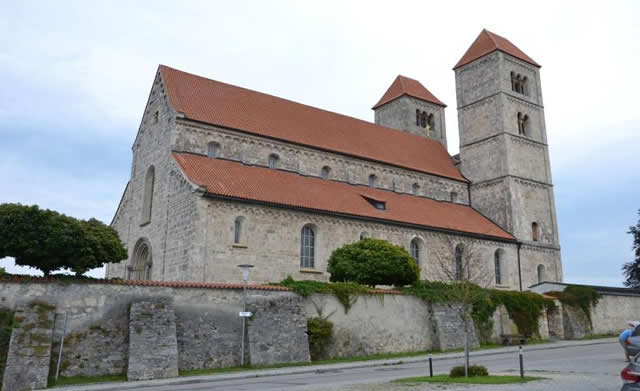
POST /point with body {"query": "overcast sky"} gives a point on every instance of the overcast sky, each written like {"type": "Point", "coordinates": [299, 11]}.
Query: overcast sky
{"type": "Point", "coordinates": [75, 78]}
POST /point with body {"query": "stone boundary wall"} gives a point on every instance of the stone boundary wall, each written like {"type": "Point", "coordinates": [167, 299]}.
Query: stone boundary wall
{"type": "Point", "coordinates": [119, 328]}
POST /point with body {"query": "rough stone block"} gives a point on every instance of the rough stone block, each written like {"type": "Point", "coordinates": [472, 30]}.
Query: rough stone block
{"type": "Point", "coordinates": [153, 347]}
{"type": "Point", "coordinates": [448, 327]}
{"type": "Point", "coordinates": [278, 331]}
{"type": "Point", "coordinates": [29, 353]}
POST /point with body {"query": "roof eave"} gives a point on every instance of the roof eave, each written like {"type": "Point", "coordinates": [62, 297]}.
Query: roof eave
{"type": "Point", "coordinates": [461, 63]}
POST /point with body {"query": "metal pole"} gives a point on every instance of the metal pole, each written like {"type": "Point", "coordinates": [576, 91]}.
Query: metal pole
{"type": "Point", "coordinates": [243, 323]}
{"type": "Point", "coordinates": [521, 362]}
{"type": "Point", "coordinates": [430, 364]}
{"type": "Point", "coordinates": [64, 331]}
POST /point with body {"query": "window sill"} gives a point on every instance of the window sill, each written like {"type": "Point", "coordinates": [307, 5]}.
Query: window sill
{"type": "Point", "coordinates": [502, 286]}
{"type": "Point", "coordinates": [307, 270]}
{"type": "Point", "coordinates": [237, 245]}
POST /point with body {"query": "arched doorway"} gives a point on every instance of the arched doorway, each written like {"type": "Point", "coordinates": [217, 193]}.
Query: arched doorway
{"type": "Point", "coordinates": [140, 268]}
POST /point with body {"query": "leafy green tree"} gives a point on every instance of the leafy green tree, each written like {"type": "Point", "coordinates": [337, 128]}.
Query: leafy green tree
{"type": "Point", "coordinates": [50, 241]}
{"type": "Point", "coordinates": [632, 269]}
{"type": "Point", "coordinates": [373, 262]}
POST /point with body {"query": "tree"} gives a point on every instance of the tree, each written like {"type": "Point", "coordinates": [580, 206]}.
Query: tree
{"type": "Point", "coordinates": [459, 265]}
{"type": "Point", "coordinates": [632, 269]}
{"type": "Point", "coordinates": [373, 262]}
{"type": "Point", "coordinates": [50, 241]}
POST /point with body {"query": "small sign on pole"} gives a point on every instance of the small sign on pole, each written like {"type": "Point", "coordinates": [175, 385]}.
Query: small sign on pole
{"type": "Point", "coordinates": [245, 314]}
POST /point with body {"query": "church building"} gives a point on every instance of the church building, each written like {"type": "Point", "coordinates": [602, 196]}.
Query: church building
{"type": "Point", "coordinates": [222, 175]}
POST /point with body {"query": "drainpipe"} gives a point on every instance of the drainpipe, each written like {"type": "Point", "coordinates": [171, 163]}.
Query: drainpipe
{"type": "Point", "coordinates": [519, 270]}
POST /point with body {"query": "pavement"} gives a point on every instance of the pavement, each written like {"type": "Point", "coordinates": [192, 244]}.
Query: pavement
{"type": "Point", "coordinates": [567, 365]}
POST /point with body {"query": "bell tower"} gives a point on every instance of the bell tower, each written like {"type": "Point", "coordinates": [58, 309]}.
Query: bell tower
{"type": "Point", "coordinates": [504, 150]}
{"type": "Point", "coordinates": [409, 106]}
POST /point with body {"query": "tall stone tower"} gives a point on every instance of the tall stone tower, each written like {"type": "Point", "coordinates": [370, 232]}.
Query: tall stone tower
{"type": "Point", "coordinates": [408, 105]}
{"type": "Point", "coordinates": [504, 151]}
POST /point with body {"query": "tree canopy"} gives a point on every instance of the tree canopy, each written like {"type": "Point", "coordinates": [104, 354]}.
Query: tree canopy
{"type": "Point", "coordinates": [632, 269]}
{"type": "Point", "coordinates": [50, 241]}
{"type": "Point", "coordinates": [373, 262]}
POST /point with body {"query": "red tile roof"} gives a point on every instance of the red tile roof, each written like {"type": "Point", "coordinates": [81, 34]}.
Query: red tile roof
{"type": "Point", "coordinates": [403, 85]}
{"type": "Point", "coordinates": [236, 180]}
{"type": "Point", "coordinates": [488, 42]}
{"type": "Point", "coordinates": [222, 104]}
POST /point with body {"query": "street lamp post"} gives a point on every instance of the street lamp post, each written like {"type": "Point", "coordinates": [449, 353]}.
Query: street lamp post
{"type": "Point", "coordinates": [244, 314]}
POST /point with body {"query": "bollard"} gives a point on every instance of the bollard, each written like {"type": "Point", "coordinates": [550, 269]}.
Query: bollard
{"type": "Point", "coordinates": [430, 365]}
{"type": "Point", "coordinates": [521, 362]}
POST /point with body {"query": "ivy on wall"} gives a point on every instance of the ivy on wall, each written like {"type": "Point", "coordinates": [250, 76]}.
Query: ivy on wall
{"type": "Point", "coordinates": [6, 326]}
{"type": "Point", "coordinates": [583, 297]}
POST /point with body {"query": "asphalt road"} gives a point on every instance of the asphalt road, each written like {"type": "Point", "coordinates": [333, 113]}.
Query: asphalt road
{"type": "Point", "coordinates": [592, 367]}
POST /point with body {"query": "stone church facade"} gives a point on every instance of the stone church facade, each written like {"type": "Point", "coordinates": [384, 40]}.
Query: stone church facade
{"type": "Point", "coordinates": [223, 176]}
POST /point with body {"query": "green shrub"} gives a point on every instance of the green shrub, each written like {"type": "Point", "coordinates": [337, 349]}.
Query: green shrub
{"type": "Point", "coordinates": [373, 262]}
{"type": "Point", "coordinates": [582, 297]}
{"type": "Point", "coordinates": [320, 332]}
{"type": "Point", "coordinates": [474, 370]}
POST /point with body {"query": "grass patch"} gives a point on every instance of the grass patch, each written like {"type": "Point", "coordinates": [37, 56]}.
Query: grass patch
{"type": "Point", "coordinates": [492, 379]}
{"type": "Point", "coordinates": [69, 381]}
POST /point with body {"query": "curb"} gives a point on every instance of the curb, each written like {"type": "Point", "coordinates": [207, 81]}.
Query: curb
{"type": "Point", "coordinates": [319, 368]}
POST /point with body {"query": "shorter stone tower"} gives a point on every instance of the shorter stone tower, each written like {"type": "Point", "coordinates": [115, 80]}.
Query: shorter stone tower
{"type": "Point", "coordinates": [408, 105]}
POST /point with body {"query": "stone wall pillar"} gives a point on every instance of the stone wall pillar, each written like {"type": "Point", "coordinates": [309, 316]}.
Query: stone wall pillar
{"type": "Point", "coordinates": [277, 331]}
{"type": "Point", "coordinates": [447, 327]}
{"type": "Point", "coordinates": [29, 353]}
{"type": "Point", "coordinates": [153, 347]}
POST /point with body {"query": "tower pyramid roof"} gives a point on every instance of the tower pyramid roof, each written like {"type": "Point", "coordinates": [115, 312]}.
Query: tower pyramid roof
{"type": "Point", "coordinates": [403, 85]}
{"type": "Point", "coordinates": [488, 42]}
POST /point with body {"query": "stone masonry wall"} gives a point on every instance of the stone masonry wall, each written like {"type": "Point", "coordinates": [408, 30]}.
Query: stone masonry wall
{"type": "Point", "coordinates": [255, 150]}
{"type": "Point", "coordinates": [153, 348]}
{"type": "Point", "coordinates": [27, 365]}
{"type": "Point", "coordinates": [286, 314]}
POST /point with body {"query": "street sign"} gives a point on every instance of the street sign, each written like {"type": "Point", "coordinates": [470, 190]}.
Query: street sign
{"type": "Point", "coordinates": [244, 314]}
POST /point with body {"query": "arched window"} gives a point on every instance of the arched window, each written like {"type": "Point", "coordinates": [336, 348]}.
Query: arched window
{"type": "Point", "coordinates": [414, 249]}
{"type": "Point", "coordinates": [372, 180]}
{"type": "Point", "coordinates": [417, 117]}
{"type": "Point", "coordinates": [523, 124]}
{"type": "Point", "coordinates": [147, 201]}
{"type": "Point", "coordinates": [212, 150]}
{"type": "Point", "coordinates": [524, 86]}
{"type": "Point", "coordinates": [307, 247]}
{"type": "Point", "coordinates": [513, 81]}
{"type": "Point", "coordinates": [541, 276]}
{"type": "Point", "coordinates": [415, 188]}
{"type": "Point", "coordinates": [140, 268]}
{"type": "Point", "coordinates": [423, 119]}
{"type": "Point", "coordinates": [364, 235]}
{"type": "Point", "coordinates": [239, 230]}
{"type": "Point", "coordinates": [497, 266]}
{"type": "Point", "coordinates": [431, 128]}
{"type": "Point", "coordinates": [459, 253]}
{"type": "Point", "coordinates": [156, 117]}
{"type": "Point", "coordinates": [534, 232]}
{"type": "Point", "coordinates": [273, 160]}
{"type": "Point", "coordinates": [324, 173]}
{"type": "Point", "coordinates": [453, 196]}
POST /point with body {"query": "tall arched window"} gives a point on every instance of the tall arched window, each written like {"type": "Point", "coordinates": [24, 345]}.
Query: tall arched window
{"type": "Point", "coordinates": [147, 201]}
{"type": "Point", "coordinates": [364, 235]}
{"type": "Point", "coordinates": [414, 249]}
{"type": "Point", "coordinates": [324, 173]}
{"type": "Point", "coordinates": [534, 231]}
{"type": "Point", "coordinates": [431, 125]}
{"type": "Point", "coordinates": [212, 150]}
{"type": "Point", "coordinates": [497, 266]}
{"type": "Point", "coordinates": [453, 196]}
{"type": "Point", "coordinates": [239, 230]}
{"type": "Point", "coordinates": [415, 188]}
{"type": "Point", "coordinates": [140, 268]}
{"type": "Point", "coordinates": [273, 160]}
{"type": "Point", "coordinates": [459, 253]}
{"type": "Point", "coordinates": [417, 117]}
{"type": "Point", "coordinates": [423, 119]}
{"type": "Point", "coordinates": [523, 124]}
{"type": "Point", "coordinates": [307, 247]}
{"type": "Point", "coordinates": [541, 276]}
{"type": "Point", "coordinates": [372, 180]}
